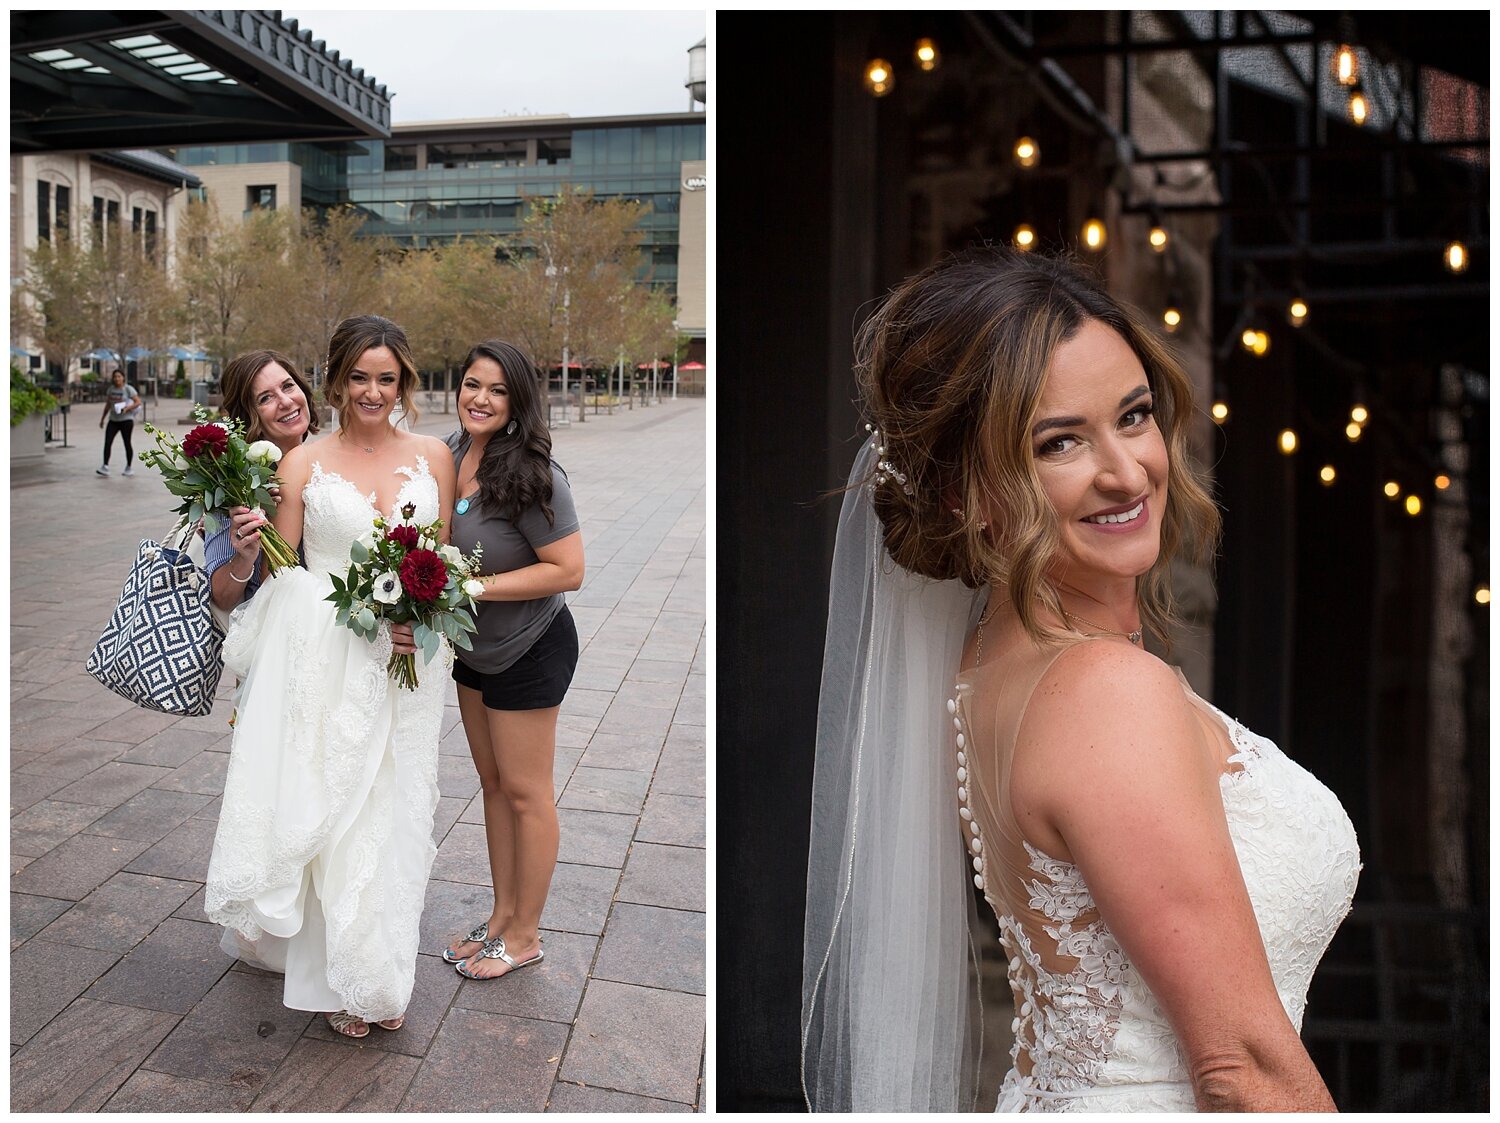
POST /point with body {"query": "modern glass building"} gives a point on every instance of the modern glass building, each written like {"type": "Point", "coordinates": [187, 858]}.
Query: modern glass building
{"type": "Point", "coordinates": [434, 182]}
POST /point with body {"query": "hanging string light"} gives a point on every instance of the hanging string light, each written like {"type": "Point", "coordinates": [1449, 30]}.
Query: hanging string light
{"type": "Point", "coordinates": [1171, 319]}
{"type": "Point", "coordinates": [1442, 483]}
{"type": "Point", "coordinates": [1287, 441]}
{"type": "Point", "coordinates": [1413, 505]}
{"type": "Point", "coordinates": [1024, 238]}
{"type": "Point", "coordinates": [880, 79]}
{"type": "Point", "coordinates": [1027, 152]}
{"type": "Point", "coordinates": [1094, 235]}
{"type": "Point", "coordinates": [1354, 430]}
{"type": "Point", "coordinates": [1255, 341]}
{"type": "Point", "coordinates": [1456, 257]}
{"type": "Point", "coordinates": [1296, 312]}
{"type": "Point", "coordinates": [1158, 237]}
{"type": "Point", "coordinates": [1327, 475]}
{"type": "Point", "coordinates": [1391, 489]}
{"type": "Point", "coordinates": [1359, 106]}
{"type": "Point", "coordinates": [926, 54]}
{"type": "Point", "coordinates": [1482, 595]}
{"type": "Point", "coordinates": [1359, 415]}
{"type": "Point", "coordinates": [1345, 66]}
{"type": "Point", "coordinates": [1220, 412]}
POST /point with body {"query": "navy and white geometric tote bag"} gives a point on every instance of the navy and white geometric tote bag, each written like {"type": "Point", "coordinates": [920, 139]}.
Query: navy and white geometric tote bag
{"type": "Point", "coordinates": [161, 648]}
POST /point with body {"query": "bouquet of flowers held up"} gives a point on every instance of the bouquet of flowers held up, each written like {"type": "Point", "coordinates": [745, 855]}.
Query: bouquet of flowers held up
{"type": "Point", "coordinates": [214, 468]}
{"type": "Point", "coordinates": [400, 573]}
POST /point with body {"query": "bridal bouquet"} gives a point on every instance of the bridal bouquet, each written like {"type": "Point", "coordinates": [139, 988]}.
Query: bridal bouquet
{"type": "Point", "coordinates": [400, 573]}
{"type": "Point", "coordinates": [214, 468]}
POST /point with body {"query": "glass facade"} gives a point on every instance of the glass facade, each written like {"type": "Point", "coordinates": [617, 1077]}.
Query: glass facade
{"type": "Point", "coordinates": [427, 188]}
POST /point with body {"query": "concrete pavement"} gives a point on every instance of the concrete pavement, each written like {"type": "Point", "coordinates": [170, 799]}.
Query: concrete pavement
{"type": "Point", "coordinates": [120, 997]}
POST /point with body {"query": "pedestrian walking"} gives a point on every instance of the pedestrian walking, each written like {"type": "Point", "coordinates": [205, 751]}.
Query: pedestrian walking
{"type": "Point", "coordinates": [121, 404]}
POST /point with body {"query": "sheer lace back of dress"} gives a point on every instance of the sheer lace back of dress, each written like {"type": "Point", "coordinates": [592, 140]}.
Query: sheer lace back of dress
{"type": "Point", "coordinates": [1085, 1020]}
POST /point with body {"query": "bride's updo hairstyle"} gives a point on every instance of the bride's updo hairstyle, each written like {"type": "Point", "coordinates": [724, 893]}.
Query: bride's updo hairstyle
{"type": "Point", "coordinates": [952, 367]}
{"type": "Point", "coordinates": [351, 339]}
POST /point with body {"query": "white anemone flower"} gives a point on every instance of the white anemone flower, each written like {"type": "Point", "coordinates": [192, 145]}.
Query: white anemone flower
{"type": "Point", "coordinates": [451, 554]}
{"type": "Point", "coordinates": [387, 588]}
{"type": "Point", "coordinates": [267, 452]}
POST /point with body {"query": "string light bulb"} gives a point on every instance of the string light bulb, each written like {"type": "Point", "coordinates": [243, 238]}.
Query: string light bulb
{"type": "Point", "coordinates": [1442, 483]}
{"type": "Point", "coordinates": [1359, 415]}
{"type": "Point", "coordinates": [926, 54]}
{"type": "Point", "coordinates": [1327, 475]}
{"type": "Point", "coordinates": [1296, 312]}
{"type": "Point", "coordinates": [1354, 430]}
{"type": "Point", "coordinates": [1024, 238]}
{"type": "Point", "coordinates": [1345, 65]}
{"type": "Point", "coordinates": [1094, 235]}
{"type": "Point", "coordinates": [1158, 238]}
{"type": "Point", "coordinates": [1482, 595]}
{"type": "Point", "coordinates": [1255, 341]}
{"type": "Point", "coordinates": [880, 79]}
{"type": "Point", "coordinates": [1413, 505]}
{"type": "Point", "coordinates": [1391, 489]}
{"type": "Point", "coordinates": [1359, 107]}
{"type": "Point", "coordinates": [1287, 441]}
{"type": "Point", "coordinates": [1456, 257]}
{"type": "Point", "coordinates": [1220, 412]}
{"type": "Point", "coordinates": [1027, 152]}
{"type": "Point", "coordinates": [1171, 319]}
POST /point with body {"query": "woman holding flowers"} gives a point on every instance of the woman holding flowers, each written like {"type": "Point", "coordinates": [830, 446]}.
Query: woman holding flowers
{"type": "Point", "coordinates": [323, 848]}
{"type": "Point", "coordinates": [267, 393]}
{"type": "Point", "coordinates": [514, 503]}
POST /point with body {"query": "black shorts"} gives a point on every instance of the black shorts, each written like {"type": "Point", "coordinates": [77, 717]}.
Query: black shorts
{"type": "Point", "coordinates": [538, 679]}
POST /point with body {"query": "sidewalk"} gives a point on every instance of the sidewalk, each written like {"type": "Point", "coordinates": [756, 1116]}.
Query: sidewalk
{"type": "Point", "coordinates": [120, 997]}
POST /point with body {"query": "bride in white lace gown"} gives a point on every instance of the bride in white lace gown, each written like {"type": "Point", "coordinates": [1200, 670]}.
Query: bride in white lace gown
{"type": "Point", "coordinates": [323, 849]}
{"type": "Point", "coordinates": [1165, 881]}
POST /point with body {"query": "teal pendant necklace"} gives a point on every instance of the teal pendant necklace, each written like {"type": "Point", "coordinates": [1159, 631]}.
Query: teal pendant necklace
{"type": "Point", "coordinates": [461, 507]}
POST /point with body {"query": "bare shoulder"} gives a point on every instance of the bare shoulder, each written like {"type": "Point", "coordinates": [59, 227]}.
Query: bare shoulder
{"type": "Point", "coordinates": [297, 464]}
{"type": "Point", "coordinates": [1108, 724]}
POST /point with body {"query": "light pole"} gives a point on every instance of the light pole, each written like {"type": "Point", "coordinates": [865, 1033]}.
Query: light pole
{"type": "Point", "coordinates": [676, 346]}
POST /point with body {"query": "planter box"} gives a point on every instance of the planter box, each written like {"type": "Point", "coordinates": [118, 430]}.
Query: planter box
{"type": "Point", "coordinates": [28, 440]}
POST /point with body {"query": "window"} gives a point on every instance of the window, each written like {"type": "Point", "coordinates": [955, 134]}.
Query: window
{"type": "Point", "coordinates": [261, 198]}
{"type": "Point", "coordinates": [135, 221]}
{"type": "Point", "coordinates": [43, 210]}
{"type": "Point", "coordinates": [98, 219]}
{"type": "Point", "coordinates": [64, 210]}
{"type": "Point", "coordinates": [150, 241]}
{"type": "Point", "coordinates": [112, 212]}
{"type": "Point", "coordinates": [400, 157]}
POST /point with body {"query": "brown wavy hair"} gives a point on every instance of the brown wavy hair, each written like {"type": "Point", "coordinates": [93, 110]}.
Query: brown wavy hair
{"type": "Point", "coordinates": [351, 339]}
{"type": "Point", "coordinates": [237, 387]}
{"type": "Point", "coordinates": [952, 367]}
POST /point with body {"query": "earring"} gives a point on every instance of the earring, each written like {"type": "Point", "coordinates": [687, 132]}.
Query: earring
{"type": "Point", "coordinates": [957, 514]}
{"type": "Point", "coordinates": [511, 428]}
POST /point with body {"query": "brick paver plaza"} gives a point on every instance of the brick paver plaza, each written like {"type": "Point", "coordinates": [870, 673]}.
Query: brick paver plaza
{"type": "Point", "coordinates": [120, 997]}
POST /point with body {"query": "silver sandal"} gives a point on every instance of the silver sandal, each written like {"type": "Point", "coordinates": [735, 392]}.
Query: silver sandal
{"type": "Point", "coordinates": [480, 935]}
{"type": "Point", "coordinates": [495, 949]}
{"type": "Point", "coordinates": [345, 1024]}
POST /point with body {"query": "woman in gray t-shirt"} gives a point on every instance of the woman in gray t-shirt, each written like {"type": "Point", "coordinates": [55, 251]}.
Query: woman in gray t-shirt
{"type": "Point", "coordinates": [514, 502]}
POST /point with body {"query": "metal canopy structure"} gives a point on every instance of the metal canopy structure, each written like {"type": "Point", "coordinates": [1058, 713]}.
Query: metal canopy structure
{"type": "Point", "coordinates": [84, 80]}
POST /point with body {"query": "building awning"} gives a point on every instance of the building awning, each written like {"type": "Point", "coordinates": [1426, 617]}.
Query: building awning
{"type": "Point", "coordinates": [143, 79]}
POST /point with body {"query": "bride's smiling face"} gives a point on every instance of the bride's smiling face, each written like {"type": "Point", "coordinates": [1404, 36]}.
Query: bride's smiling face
{"type": "Point", "coordinates": [1100, 458]}
{"type": "Point", "coordinates": [374, 386]}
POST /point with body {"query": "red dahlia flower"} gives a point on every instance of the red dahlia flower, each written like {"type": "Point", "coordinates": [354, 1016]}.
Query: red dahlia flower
{"type": "Point", "coordinates": [213, 439]}
{"type": "Point", "coordinates": [423, 575]}
{"type": "Point", "coordinates": [406, 535]}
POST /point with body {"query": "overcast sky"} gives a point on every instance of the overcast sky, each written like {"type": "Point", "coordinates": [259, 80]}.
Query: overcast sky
{"type": "Point", "coordinates": [452, 64]}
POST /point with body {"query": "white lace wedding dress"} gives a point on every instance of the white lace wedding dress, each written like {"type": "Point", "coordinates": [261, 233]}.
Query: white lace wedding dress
{"type": "Point", "coordinates": [324, 844]}
{"type": "Point", "coordinates": [1089, 1036]}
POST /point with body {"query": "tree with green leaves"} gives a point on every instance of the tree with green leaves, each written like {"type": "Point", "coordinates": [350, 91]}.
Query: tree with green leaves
{"type": "Point", "coordinates": [232, 275]}
{"type": "Point", "coordinates": [54, 304]}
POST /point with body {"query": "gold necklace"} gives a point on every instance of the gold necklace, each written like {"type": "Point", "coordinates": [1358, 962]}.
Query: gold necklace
{"type": "Point", "coordinates": [1134, 637]}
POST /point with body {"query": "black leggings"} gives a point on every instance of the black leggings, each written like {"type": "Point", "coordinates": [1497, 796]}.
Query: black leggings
{"type": "Point", "coordinates": [123, 428]}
